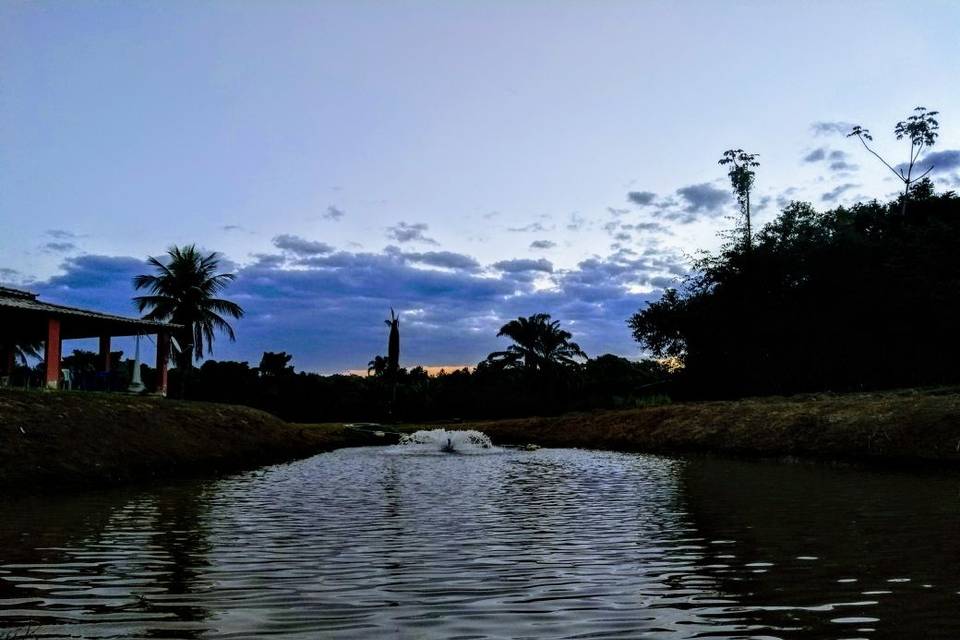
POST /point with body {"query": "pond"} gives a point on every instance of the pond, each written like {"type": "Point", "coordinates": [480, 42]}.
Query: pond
{"type": "Point", "coordinates": [554, 543]}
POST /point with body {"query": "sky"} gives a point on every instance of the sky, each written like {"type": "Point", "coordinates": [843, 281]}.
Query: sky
{"type": "Point", "coordinates": [461, 162]}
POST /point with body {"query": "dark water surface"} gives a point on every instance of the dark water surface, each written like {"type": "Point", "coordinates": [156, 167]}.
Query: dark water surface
{"type": "Point", "coordinates": [364, 543]}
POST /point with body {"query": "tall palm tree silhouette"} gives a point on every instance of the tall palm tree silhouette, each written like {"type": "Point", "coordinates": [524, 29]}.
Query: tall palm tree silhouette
{"type": "Point", "coordinates": [184, 291]}
{"type": "Point", "coordinates": [539, 344]}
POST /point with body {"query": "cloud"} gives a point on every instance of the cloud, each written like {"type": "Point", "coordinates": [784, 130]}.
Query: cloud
{"type": "Point", "coordinates": [704, 198]}
{"type": "Point", "coordinates": [542, 244]}
{"type": "Point", "coordinates": [406, 232]}
{"type": "Point", "coordinates": [649, 226]}
{"type": "Point", "coordinates": [843, 165]}
{"type": "Point", "coordinates": [617, 212]}
{"type": "Point", "coordinates": [836, 159]}
{"type": "Point", "coordinates": [328, 308]}
{"type": "Point", "coordinates": [61, 234]}
{"type": "Point", "coordinates": [333, 213]}
{"type": "Point", "coordinates": [9, 275]}
{"type": "Point", "coordinates": [59, 247]}
{"type": "Point", "coordinates": [577, 222]}
{"type": "Point", "coordinates": [524, 264]}
{"type": "Point", "coordinates": [785, 197]}
{"type": "Point", "coordinates": [831, 128]}
{"type": "Point", "coordinates": [641, 198]}
{"type": "Point", "coordinates": [443, 259]}
{"type": "Point", "coordinates": [945, 160]}
{"type": "Point", "coordinates": [836, 192]}
{"type": "Point", "coordinates": [533, 226]}
{"type": "Point", "coordinates": [300, 246]}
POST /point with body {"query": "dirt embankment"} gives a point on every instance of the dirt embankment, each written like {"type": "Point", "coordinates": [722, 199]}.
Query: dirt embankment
{"type": "Point", "coordinates": [81, 438]}
{"type": "Point", "coordinates": [904, 426]}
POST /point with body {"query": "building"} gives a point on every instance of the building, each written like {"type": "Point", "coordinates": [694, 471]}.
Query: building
{"type": "Point", "coordinates": [26, 320]}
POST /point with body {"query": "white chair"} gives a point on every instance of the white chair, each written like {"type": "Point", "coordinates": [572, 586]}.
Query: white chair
{"type": "Point", "coordinates": [67, 379]}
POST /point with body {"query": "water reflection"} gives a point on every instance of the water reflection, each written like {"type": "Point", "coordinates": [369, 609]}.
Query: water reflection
{"type": "Point", "coordinates": [546, 544]}
{"type": "Point", "coordinates": [830, 550]}
{"type": "Point", "coordinates": [104, 564]}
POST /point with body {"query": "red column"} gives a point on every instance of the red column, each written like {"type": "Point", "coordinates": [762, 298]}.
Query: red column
{"type": "Point", "coordinates": [105, 354]}
{"type": "Point", "coordinates": [163, 356]}
{"type": "Point", "coordinates": [51, 353]}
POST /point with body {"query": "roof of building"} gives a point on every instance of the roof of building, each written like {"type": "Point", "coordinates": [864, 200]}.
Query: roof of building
{"type": "Point", "coordinates": [76, 322]}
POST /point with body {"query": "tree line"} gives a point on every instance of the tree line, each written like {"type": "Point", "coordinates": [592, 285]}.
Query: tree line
{"type": "Point", "coordinates": [853, 298]}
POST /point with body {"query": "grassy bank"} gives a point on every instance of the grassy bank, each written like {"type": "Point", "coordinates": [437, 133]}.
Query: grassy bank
{"type": "Point", "coordinates": [81, 438]}
{"type": "Point", "coordinates": [904, 426]}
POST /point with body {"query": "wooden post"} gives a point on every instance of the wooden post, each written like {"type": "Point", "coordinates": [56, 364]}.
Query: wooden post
{"type": "Point", "coordinates": [6, 359]}
{"type": "Point", "coordinates": [104, 354]}
{"type": "Point", "coordinates": [163, 356]}
{"type": "Point", "coordinates": [51, 354]}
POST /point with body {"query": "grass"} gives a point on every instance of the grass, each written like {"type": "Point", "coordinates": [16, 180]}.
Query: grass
{"type": "Point", "coordinates": [908, 425]}
{"type": "Point", "coordinates": [82, 438]}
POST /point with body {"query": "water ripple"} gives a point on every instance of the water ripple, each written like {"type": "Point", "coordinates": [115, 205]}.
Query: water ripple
{"type": "Point", "coordinates": [547, 544]}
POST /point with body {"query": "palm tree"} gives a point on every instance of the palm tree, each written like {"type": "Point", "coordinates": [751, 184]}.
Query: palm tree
{"type": "Point", "coordinates": [393, 344]}
{"type": "Point", "coordinates": [183, 291]}
{"type": "Point", "coordinates": [24, 350]}
{"type": "Point", "coordinates": [377, 366]}
{"type": "Point", "coordinates": [539, 344]}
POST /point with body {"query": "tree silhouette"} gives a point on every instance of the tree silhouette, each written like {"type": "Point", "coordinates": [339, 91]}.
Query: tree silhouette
{"type": "Point", "coordinates": [539, 344]}
{"type": "Point", "coordinates": [24, 350]}
{"type": "Point", "coordinates": [377, 366]}
{"type": "Point", "coordinates": [921, 129]}
{"type": "Point", "coordinates": [183, 291]}
{"type": "Point", "coordinates": [275, 364]}
{"type": "Point", "coordinates": [393, 344]}
{"type": "Point", "coordinates": [741, 176]}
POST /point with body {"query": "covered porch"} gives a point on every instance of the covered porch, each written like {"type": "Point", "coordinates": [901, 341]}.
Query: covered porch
{"type": "Point", "coordinates": [24, 320]}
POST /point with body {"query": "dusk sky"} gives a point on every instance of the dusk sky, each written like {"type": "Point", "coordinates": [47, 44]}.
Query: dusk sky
{"type": "Point", "coordinates": [461, 162]}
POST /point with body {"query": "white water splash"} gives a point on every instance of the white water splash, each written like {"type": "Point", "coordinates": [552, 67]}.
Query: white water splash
{"type": "Point", "coordinates": [443, 441]}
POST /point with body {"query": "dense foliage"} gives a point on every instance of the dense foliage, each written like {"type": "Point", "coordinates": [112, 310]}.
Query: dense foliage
{"type": "Point", "coordinates": [485, 392]}
{"type": "Point", "coordinates": [847, 299]}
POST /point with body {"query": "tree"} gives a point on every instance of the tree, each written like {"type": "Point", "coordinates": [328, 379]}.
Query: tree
{"type": "Point", "coordinates": [393, 345]}
{"type": "Point", "coordinates": [539, 344]}
{"type": "Point", "coordinates": [183, 291]}
{"type": "Point", "coordinates": [274, 365]}
{"type": "Point", "coordinates": [24, 350]}
{"type": "Point", "coordinates": [741, 176]}
{"type": "Point", "coordinates": [659, 327]}
{"type": "Point", "coordinates": [377, 366]}
{"type": "Point", "coordinates": [921, 129]}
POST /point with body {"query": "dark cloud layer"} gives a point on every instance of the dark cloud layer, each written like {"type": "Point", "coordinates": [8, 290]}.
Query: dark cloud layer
{"type": "Point", "coordinates": [327, 308]}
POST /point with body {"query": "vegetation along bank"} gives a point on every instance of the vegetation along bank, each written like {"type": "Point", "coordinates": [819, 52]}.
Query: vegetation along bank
{"type": "Point", "coordinates": [83, 439]}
